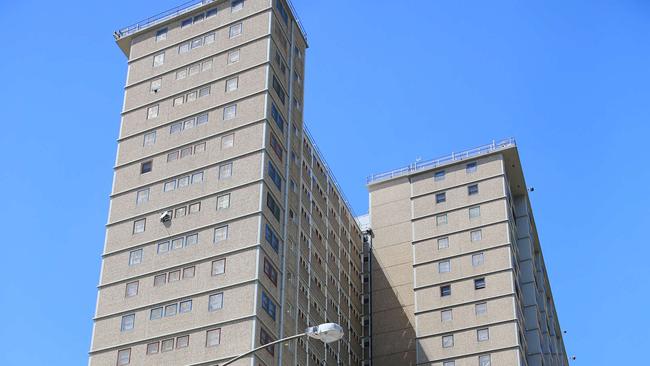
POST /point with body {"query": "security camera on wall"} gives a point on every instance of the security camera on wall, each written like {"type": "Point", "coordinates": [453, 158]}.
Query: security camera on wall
{"type": "Point", "coordinates": [166, 217]}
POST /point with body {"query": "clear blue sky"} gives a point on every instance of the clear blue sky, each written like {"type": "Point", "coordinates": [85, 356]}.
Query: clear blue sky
{"type": "Point", "coordinates": [386, 83]}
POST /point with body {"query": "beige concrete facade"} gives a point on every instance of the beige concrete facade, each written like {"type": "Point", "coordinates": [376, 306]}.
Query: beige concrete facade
{"type": "Point", "coordinates": [457, 277]}
{"type": "Point", "coordinates": [261, 243]}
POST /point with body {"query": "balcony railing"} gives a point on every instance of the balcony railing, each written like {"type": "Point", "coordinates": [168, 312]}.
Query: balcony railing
{"type": "Point", "coordinates": [182, 9]}
{"type": "Point", "coordinates": [445, 160]}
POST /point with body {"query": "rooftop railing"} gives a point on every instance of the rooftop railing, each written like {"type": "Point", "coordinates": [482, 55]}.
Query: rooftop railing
{"type": "Point", "coordinates": [182, 9]}
{"type": "Point", "coordinates": [328, 170]}
{"type": "Point", "coordinates": [161, 17]}
{"type": "Point", "coordinates": [445, 160]}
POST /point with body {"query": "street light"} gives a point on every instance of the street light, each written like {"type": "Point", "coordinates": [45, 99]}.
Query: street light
{"type": "Point", "coordinates": [327, 333]}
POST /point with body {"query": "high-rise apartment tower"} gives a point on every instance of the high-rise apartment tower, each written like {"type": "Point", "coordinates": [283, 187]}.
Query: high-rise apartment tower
{"type": "Point", "coordinates": [457, 273]}
{"type": "Point", "coordinates": [226, 229]}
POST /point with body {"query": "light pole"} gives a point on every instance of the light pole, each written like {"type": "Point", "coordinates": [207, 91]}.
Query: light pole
{"type": "Point", "coordinates": [327, 333]}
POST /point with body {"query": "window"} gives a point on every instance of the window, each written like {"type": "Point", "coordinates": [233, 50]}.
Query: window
{"type": "Point", "coordinates": [438, 176]}
{"type": "Point", "coordinates": [443, 243]}
{"type": "Point", "coordinates": [441, 220]}
{"type": "Point", "coordinates": [192, 239]}
{"type": "Point", "coordinates": [449, 363]}
{"type": "Point", "coordinates": [149, 139]}
{"type": "Point", "coordinates": [172, 156]}
{"type": "Point", "coordinates": [159, 59]}
{"type": "Point", "coordinates": [471, 167]}
{"type": "Point", "coordinates": [275, 176]}
{"type": "Point", "coordinates": [123, 357]}
{"type": "Point", "coordinates": [156, 313]}
{"type": "Point", "coordinates": [195, 207]}
{"type": "Point", "coordinates": [177, 243]}
{"type": "Point", "coordinates": [225, 171]}
{"type": "Point", "coordinates": [128, 322]}
{"type": "Point", "coordinates": [146, 167]}
{"type": "Point", "coordinates": [201, 119]}
{"type": "Point", "coordinates": [135, 257]}
{"type": "Point", "coordinates": [236, 5]}
{"type": "Point", "coordinates": [282, 11]}
{"type": "Point", "coordinates": [445, 290]}
{"type": "Point", "coordinates": [199, 18]}
{"type": "Point", "coordinates": [444, 266]}
{"type": "Point", "coordinates": [482, 335]}
{"type": "Point", "coordinates": [266, 338]}
{"type": "Point", "coordinates": [132, 289]}
{"type": "Point", "coordinates": [235, 30]}
{"type": "Point", "coordinates": [277, 117]}
{"type": "Point", "coordinates": [232, 84]}
{"type": "Point", "coordinates": [182, 342]}
{"type": "Point", "coordinates": [161, 34]}
{"type": "Point", "coordinates": [233, 56]}
{"type": "Point", "coordinates": [180, 212]}
{"type": "Point", "coordinates": [171, 310]}
{"type": "Point", "coordinates": [478, 259]}
{"type": "Point", "coordinates": [199, 148]}
{"type": "Point", "coordinates": [480, 308]}
{"type": "Point", "coordinates": [220, 234]}
{"type": "Point", "coordinates": [174, 276]}
{"type": "Point", "coordinates": [270, 272]}
{"type": "Point", "coordinates": [153, 348]}
{"type": "Point", "coordinates": [272, 238]}
{"type": "Point", "coordinates": [273, 206]}
{"type": "Point", "coordinates": [142, 196]}
{"type": "Point", "coordinates": [474, 212]}
{"type": "Point", "coordinates": [227, 141]}
{"type": "Point", "coordinates": [472, 190]}
{"type": "Point", "coordinates": [212, 337]}
{"type": "Point", "coordinates": [152, 112]}
{"type": "Point", "coordinates": [277, 148]}
{"type": "Point", "coordinates": [206, 65]}
{"type": "Point", "coordinates": [479, 283]}
{"type": "Point", "coordinates": [268, 305]}
{"type": "Point", "coordinates": [447, 341]}
{"type": "Point", "coordinates": [167, 345]}
{"type": "Point", "coordinates": [223, 202]}
{"type": "Point", "coordinates": [279, 90]}
{"type": "Point", "coordinates": [211, 12]}
{"type": "Point", "coordinates": [476, 235]}
{"type": "Point", "coordinates": [185, 23]}
{"type": "Point", "coordinates": [218, 267]}
{"type": "Point", "coordinates": [155, 85]}
{"type": "Point", "coordinates": [230, 112]}
{"type": "Point", "coordinates": [169, 186]}
{"type": "Point", "coordinates": [215, 302]}
{"type": "Point", "coordinates": [205, 91]}
{"type": "Point", "coordinates": [139, 226]}
{"type": "Point", "coordinates": [441, 197]}
{"type": "Point", "coordinates": [181, 74]}
{"type": "Point", "coordinates": [446, 315]}
{"type": "Point", "coordinates": [484, 360]}
{"type": "Point", "coordinates": [185, 306]}
{"type": "Point", "coordinates": [160, 280]}
{"type": "Point", "coordinates": [197, 177]}
{"type": "Point", "coordinates": [189, 272]}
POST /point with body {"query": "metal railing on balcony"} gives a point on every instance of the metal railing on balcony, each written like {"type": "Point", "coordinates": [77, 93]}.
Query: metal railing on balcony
{"type": "Point", "coordinates": [445, 160]}
{"type": "Point", "coordinates": [182, 9]}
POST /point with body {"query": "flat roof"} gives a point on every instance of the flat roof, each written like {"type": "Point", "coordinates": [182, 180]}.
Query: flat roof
{"type": "Point", "coordinates": [123, 35]}
{"type": "Point", "coordinates": [450, 159]}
